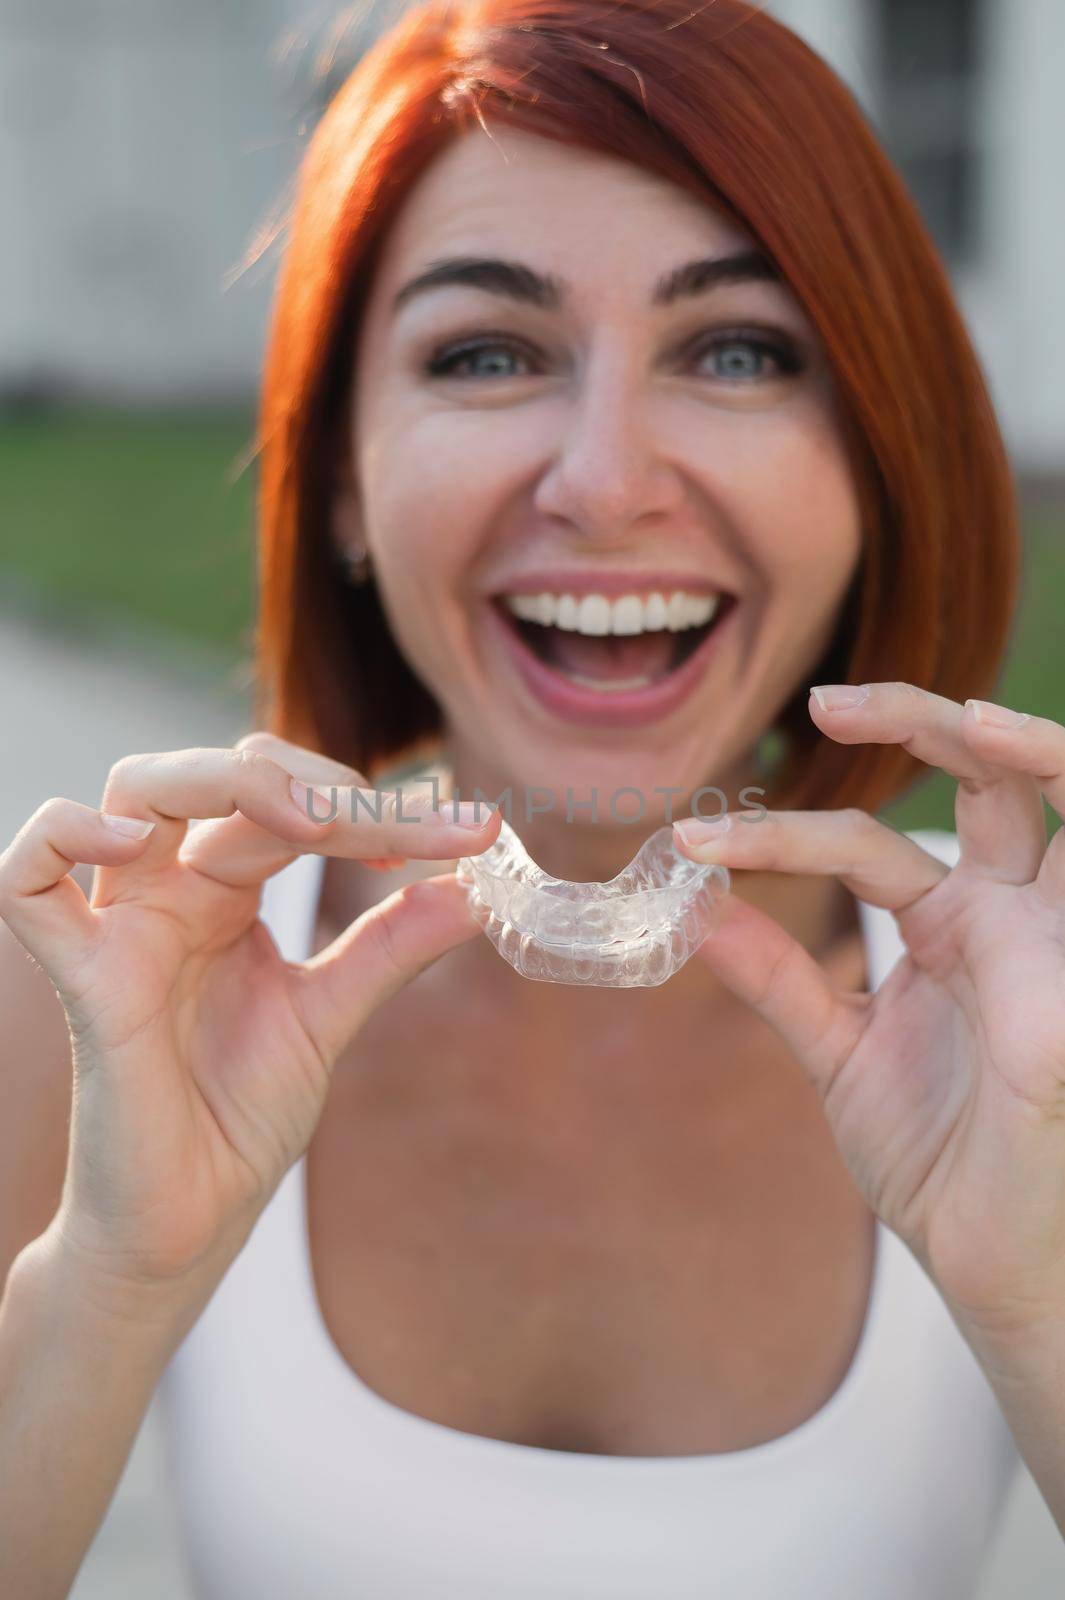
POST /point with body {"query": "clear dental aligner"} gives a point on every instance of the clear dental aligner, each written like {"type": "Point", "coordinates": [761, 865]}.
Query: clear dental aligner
{"type": "Point", "coordinates": [635, 931]}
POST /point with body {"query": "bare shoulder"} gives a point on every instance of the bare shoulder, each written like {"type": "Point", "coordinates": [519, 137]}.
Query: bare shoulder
{"type": "Point", "coordinates": [35, 1083]}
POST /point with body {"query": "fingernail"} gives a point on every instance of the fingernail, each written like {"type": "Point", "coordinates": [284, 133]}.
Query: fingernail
{"type": "Point", "coordinates": [466, 814]}
{"type": "Point", "coordinates": [702, 830]}
{"type": "Point", "coordinates": [472, 813]}
{"type": "Point", "coordinates": [997, 716]}
{"type": "Point", "coordinates": [309, 800]}
{"type": "Point", "coordinates": [133, 826]}
{"type": "Point", "coordinates": [839, 696]}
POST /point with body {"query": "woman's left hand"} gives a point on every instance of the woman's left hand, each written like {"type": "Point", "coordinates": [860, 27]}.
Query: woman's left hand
{"type": "Point", "coordinates": [945, 1088]}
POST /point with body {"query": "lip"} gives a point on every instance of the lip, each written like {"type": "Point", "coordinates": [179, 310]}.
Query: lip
{"type": "Point", "coordinates": [628, 708]}
{"type": "Point", "coordinates": [611, 582]}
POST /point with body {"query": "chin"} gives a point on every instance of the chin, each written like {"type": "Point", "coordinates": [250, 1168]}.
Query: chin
{"type": "Point", "coordinates": [629, 786]}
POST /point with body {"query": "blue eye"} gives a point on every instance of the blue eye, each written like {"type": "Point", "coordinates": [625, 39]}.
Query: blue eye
{"type": "Point", "coordinates": [445, 363]}
{"type": "Point", "coordinates": [743, 355]}
{"type": "Point", "coordinates": [748, 364]}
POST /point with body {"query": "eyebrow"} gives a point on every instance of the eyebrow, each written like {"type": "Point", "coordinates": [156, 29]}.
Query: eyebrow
{"type": "Point", "coordinates": [515, 281]}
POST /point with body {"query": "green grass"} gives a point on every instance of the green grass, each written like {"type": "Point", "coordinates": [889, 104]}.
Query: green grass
{"type": "Point", "coordinates": [148, 517]}
{"type": "Point", "coordinates": [145, 516]}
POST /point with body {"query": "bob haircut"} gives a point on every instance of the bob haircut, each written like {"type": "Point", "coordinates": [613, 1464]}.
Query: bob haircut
{"type": "Point", "coordinates": [734, 107]}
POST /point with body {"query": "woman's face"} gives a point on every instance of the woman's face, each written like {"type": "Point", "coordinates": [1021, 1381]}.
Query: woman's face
{"type": "Point", "coordinates": [611, 442]}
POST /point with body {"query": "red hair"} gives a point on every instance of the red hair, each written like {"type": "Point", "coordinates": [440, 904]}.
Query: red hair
{"type": "Point", "coordinates": [733, 106]}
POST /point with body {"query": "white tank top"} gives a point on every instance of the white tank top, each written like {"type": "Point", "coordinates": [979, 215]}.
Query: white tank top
{"type": "Point", "coordinates": [297, 1481]}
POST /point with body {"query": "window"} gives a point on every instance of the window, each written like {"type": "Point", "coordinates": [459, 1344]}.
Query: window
{"type": "Point", "coordinates": [928, 66]}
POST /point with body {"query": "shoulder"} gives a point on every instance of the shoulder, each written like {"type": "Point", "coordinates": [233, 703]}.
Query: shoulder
{"type": "Point", "coordinates": [939, 842]}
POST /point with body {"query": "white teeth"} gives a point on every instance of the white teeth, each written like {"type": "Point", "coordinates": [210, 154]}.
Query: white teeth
{"type": "Point", "coordinates": [627, 615]}
{"type": "Point", "coordinates": [568, 611]}
{"type": "Point", "coordinates": [631, 614]}
{"type": "Point", "coordinates": [609, 685]}
{"type": "Point", "coordinates": [700, 609]}
{"type": "Point", "coordinates": [593, 615]}
{"type": "Point", "coordinates": [655, 612]}
{"type": "Point", "coordinates": [546, 607]}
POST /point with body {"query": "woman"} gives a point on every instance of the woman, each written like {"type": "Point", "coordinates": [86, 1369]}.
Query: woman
{"type": "Point", "coordinates": [749, 1284]}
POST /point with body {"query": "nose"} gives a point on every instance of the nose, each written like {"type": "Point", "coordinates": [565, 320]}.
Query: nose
{"type": "Point", "coordinates": [609, 473]}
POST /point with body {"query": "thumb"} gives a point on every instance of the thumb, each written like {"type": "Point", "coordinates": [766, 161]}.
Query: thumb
{"type": "Point", "coordinates": [380, 953]}
{"type": "Point", "coordinates": [765, 967]}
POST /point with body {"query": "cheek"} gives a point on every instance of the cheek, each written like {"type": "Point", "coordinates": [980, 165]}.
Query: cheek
{"type": "Point", "coordinates": [421, 519]}
{"type": "Point", "coordinates": [422, 537]}
{"type": "Point", "coordinates": [794, 495]}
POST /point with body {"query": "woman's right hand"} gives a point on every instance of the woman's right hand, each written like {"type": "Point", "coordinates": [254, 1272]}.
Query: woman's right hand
{"type": "Point", "coordinates": [201, 1057]}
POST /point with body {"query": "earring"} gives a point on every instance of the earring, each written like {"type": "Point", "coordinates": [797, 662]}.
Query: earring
{"type": "Point", "coordinates": [357, 561]}
{"type": "Point", "coordinates": [769, 751]}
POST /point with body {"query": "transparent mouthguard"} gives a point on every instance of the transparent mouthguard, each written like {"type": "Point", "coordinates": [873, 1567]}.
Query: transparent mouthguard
{"type": "Point", "coordinates": [635, 931]}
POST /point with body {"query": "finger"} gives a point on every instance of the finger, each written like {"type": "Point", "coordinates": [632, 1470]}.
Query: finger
{"type": "Point", "coordinates": [239, 851]}
{"type": "Point", "coordinates": [356, 822]}
{"type": "Point", "coordinates": [379, 953]}
{"type": "Point", "coordinates": [763, 964]}
{"type": "Point", "coordinates": [872, 860]}
{"type": "Point", "coordinates": [771, 972]}
{"type": "Point", "coordinates": [770, 969]}
{"type": "Point", "coordinates": [40, 902]}
{"type": "Point", "coordinates": [1036, 746]}
{"type": "Point", "coordinates": [237, 839]}
{"type": "Point", "coordinates": [174, 787]}
{"type": "Point", "coordinates": [998, 812]}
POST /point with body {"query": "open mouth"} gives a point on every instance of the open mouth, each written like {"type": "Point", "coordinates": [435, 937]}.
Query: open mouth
{"type": "Point", "coordinates": [608, 661]}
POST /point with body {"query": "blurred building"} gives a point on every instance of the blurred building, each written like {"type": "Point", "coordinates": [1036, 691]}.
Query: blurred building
{"type": "Point", "coordinates": [966, 95]}
{"type": "Point", "coordinates": [146, 144]}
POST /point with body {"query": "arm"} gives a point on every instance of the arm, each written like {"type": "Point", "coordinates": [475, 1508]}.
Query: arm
{"type": "Point", "coordinates": [79, 1361]}
{"type": "Point", "coordinates": [200, 1061]}
{"type": "Point", "coordinates": [1026, 1370]}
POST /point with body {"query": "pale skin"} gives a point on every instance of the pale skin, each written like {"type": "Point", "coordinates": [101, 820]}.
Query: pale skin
{"type": "Point", "coordinates": [944, 1092]}
{"type": "Point", "coordinates": [204, 1064]}
{"type": "Point", "coordinates": [610, 445]}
